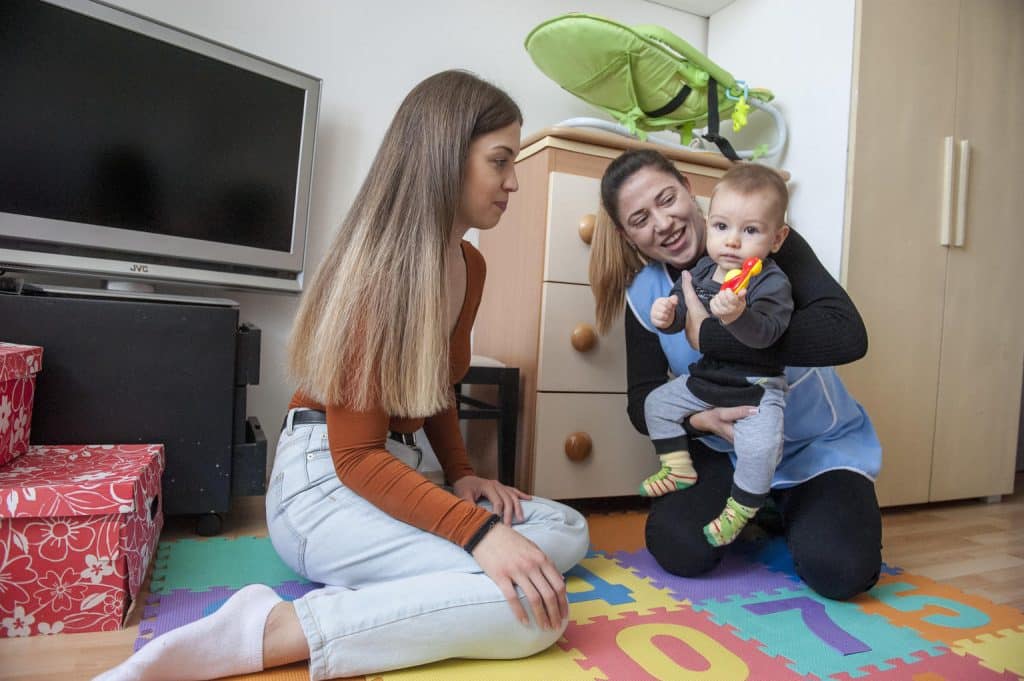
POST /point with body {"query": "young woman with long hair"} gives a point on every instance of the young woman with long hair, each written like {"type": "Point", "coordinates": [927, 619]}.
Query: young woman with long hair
{"type": "Point", "coordinates": [415, 572]}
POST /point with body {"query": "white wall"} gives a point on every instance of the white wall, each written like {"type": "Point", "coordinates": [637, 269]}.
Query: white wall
{"type": "Point", "coordinates": [369, 55]}
{"type": "Point", "coordinates": [802, 50]}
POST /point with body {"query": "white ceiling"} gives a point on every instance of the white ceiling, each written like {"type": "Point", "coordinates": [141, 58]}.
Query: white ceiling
{"type": "Point", "coordinates": [703, 8]}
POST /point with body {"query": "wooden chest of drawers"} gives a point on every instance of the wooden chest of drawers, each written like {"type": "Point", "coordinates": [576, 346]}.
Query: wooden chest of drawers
{"type": "Point", "coordinates": [575, 440]}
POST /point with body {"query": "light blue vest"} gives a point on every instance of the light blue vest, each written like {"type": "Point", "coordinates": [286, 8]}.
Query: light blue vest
{"type": "Point", "coordinates": [826, 429]}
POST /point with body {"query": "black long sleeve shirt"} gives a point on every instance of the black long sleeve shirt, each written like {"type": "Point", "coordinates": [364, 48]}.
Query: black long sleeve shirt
{"type": "Point", "coordinates": [824, 330]}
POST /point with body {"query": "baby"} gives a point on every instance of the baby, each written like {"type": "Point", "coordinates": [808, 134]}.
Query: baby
{"type": "Point", "coordinates": [746, 220]}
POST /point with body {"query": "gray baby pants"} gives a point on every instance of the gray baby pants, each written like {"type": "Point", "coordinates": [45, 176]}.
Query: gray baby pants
{"type": "Point", "coordinates": [758, 438]}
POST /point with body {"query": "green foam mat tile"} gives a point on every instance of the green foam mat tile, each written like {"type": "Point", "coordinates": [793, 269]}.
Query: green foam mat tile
{"type": "Point", "coordinates": [201, 564]}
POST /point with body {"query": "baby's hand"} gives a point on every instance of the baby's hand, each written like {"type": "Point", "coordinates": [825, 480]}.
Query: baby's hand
{"type": "Point", "coordinates": [728, 306]}
{"type": "Point", "coordinates": [663, 311]}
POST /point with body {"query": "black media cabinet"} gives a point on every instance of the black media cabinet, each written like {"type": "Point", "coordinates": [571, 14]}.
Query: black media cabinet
{"type": "Point", "coordinates": [168, 371]}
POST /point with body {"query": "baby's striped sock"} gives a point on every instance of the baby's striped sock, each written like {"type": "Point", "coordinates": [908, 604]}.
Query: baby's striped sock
{"type": "Point", "coordinates": [726, 527]}
{"type": "Point", "coordinates": [676, 472]}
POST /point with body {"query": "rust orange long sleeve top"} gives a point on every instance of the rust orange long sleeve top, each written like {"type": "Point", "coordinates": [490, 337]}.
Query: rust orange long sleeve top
{"type": "Point", "coordinates": [366, 467]}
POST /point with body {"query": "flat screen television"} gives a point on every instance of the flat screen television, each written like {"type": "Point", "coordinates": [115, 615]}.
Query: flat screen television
{"type": "Point", "coordinates": [133, 150]}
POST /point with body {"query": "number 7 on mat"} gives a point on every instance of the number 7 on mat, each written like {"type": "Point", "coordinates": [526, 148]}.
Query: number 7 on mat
{"type": "Point", "coordinates": [817, 620]}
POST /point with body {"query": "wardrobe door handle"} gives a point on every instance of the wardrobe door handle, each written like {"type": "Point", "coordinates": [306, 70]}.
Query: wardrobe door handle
{"type": "Point", "coordinates": [946, 209]}
{"type": "Point", "coordinates": [586, 228]}
{"type": "Point", "coordinates": [578, 446]}
{"type": "Point", "coordinates": [961, 194]}
{"type": "Point", "coordinates": [583, 338]}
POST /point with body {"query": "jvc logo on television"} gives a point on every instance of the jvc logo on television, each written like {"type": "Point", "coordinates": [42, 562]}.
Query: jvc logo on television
{"type": "Point", "coordinates": [140, 268]}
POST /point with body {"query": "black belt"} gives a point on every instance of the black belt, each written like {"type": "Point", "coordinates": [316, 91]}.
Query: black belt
{"type": "Point", "coordinates": [408, 439]}
{"type": "Point", "coordinates": [313, 417]}
{"type": "Point", "coordinates": [306, 417]}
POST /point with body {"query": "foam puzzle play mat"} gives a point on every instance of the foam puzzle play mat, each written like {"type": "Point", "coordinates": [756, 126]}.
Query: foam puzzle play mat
{"type": "Point", "coordinates": [751, 618]}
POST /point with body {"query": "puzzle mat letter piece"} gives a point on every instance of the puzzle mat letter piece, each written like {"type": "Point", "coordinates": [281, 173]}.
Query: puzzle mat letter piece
{"type": "Point", "coordinates": [676, 645]}
{"type": "Point", "coordinates": [783, 631]}
{"type": "Point", "coordinates": [598, 586]}
{"type": "Point", "coordinates": [944, 667]}
{"type": "Point", "coordinates": [1002, 651]}
{"type": "Point", "coordinates": [817, 620]}
{"type": "Point", "coordinates": [936, 611]}
{"type": "Point", "coordinates": [198, 565]}
{"type": "Point", "coordinates": [736, 575]}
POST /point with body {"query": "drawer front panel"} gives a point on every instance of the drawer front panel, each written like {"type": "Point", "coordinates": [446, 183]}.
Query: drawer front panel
{"type": "Point", "coordinates": [570, 198]}
{"type": "Point", "coordinates": [619, 459]}
{"type": "Point", "coordinates": [561, 367]}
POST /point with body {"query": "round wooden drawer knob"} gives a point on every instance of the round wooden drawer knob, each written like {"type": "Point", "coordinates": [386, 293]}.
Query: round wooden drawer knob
{"type": "Point", "coordinates": [587, 227]}
{"type": "Point", "coordinates": [578, 446]}
{"type": "Point", "coordinates": [584, 337]}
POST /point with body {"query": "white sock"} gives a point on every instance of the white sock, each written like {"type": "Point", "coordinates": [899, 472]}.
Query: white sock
{"type": "Point", "coordinates": [230, 641]}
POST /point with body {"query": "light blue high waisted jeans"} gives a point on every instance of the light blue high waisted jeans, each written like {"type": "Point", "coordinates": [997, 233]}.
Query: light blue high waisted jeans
{"type": "Point", "coordinates": [396, 596]}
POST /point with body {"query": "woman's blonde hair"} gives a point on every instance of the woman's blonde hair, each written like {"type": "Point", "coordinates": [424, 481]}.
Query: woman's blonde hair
{"type": "Point", "coordinates": [614, 261]}
{"type": "Point", "coordinates": [613, 264]}
{"type": "Point", "coordinates": [371, 328]}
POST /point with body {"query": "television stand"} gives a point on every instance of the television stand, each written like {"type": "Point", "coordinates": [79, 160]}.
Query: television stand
{"type": "Point", "coordinates": [124, 369]}
{"type": "Point", "coordinates": [80, 292]}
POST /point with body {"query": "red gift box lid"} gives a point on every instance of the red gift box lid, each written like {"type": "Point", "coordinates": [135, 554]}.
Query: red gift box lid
{"type": "Point", "coordinates": [19, 361]}
{"type": "Point", "coordinates": [79, 480]}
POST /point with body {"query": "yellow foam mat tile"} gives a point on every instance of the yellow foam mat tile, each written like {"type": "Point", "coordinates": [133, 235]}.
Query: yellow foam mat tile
{"type": "Point", "coordinates": [1002, 651]}
{"type": "Point", "coordinates": [553, 663]}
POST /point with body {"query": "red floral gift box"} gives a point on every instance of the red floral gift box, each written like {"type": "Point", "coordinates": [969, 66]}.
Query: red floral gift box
{"type": "Point", "coordinates": [78, 527]}
{"type": "Point", "coordinates": [19, 365]}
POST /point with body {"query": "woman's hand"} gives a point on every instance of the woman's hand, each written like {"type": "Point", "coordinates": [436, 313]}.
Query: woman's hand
{"type": "Point", "coordinates": [719, 421]}
{"type": "Point", "coordinates": [504, 499]}
{"type": "Point", "coordinates": [512, 560]}
{"type": "Point", "coordinates": [695, 312]}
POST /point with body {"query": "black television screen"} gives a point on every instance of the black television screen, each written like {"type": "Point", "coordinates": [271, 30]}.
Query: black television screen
{"type": "Point", "coordinates": [125, 140]}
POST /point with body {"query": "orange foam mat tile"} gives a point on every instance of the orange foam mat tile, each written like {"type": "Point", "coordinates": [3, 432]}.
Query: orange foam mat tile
{"type": "Point", "coordinates": [622, 531]}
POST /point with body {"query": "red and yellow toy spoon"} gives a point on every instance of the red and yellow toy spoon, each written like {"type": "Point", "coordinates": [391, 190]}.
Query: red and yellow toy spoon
{"type": "Point", "coordinates": [737, 280]}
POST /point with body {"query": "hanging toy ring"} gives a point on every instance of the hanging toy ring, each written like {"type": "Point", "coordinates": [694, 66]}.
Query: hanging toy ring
{"type": "Point", "coordinates": [741, 86]}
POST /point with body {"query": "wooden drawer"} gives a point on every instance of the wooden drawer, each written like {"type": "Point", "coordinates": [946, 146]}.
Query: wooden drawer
{"type": "Point", "coordinates": [620, 457]}
{"type": "Point", "coordinates": [563, 368]}
{"type": "Point", "coordinates": [570, 197]}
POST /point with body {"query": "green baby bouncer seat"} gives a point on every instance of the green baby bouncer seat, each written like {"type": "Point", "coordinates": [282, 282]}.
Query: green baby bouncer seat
{"type": "Point", "coordinates": [648, 79]}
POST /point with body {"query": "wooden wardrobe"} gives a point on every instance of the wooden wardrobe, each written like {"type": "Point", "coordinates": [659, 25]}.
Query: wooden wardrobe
{"type": "Point", "coordinates": [935, 241]}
